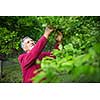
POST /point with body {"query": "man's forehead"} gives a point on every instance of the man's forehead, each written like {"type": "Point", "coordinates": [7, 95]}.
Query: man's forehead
{"type": "Point", "coordinates": [28, 39]}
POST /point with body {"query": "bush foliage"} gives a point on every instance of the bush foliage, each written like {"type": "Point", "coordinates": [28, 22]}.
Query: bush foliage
{"type": "Point", "coordinates": [78, 59]}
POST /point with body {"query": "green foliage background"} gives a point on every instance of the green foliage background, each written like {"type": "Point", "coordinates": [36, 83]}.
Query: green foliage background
{"type": "Point", "coordinates": [78, 59]}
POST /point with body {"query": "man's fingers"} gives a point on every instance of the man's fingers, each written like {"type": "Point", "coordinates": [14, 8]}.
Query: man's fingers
{"type": "Point", "coordinates": [59, 36]}
{"type": "Point", "coordinates": [49, 29]}
{"type": "Point", "coordinates": [60, 33]}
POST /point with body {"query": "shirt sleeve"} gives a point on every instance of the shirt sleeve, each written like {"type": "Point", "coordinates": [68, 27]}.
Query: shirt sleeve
{"type": "Point", "coordinates": [49, 54]}
{"type": "Point", "coordinates": [30, 58]}
{"type": "Point", "coordinates": [56, 46]}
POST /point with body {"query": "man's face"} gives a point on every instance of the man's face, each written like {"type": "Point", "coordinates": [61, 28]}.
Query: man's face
{"type": "Point", "coordinates": [28, 44]}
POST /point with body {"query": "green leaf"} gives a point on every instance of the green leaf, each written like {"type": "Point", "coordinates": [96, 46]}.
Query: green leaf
{"type": "Point", "coordinates": [39, 77]}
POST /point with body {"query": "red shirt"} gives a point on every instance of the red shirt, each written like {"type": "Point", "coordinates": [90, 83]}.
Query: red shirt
{"type": "Point", "coordinates": [28, 60]}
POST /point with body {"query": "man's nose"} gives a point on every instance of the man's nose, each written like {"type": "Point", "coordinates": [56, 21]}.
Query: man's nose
{"type": "Point", "coordinates": [32, 43]}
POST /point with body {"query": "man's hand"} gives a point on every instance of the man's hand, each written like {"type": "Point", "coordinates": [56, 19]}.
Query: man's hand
{"type": "Point", "coordinates": [47, 32]}
{"type": "Point", "coordinates": [59, 37]}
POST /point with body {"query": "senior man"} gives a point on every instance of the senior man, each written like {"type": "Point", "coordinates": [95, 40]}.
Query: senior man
{"type": "Point", "coordinates": [34, 52]}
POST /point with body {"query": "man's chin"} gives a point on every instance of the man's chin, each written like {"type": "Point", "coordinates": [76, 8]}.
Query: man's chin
{"type": "Point", "coordinates": [31, 47]}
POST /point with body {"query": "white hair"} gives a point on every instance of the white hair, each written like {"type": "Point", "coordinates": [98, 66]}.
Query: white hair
{"type": "Point", "coordinates": [22, 41]}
